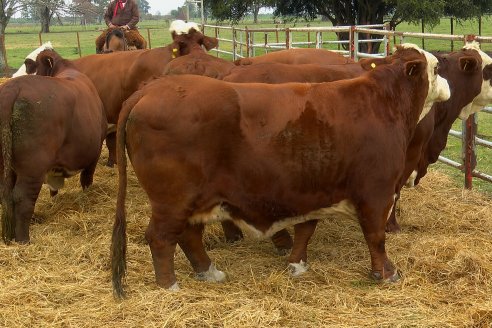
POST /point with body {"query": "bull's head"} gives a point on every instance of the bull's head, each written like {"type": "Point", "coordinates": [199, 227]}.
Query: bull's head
{"type": "Point", "coordinates": [46, 63]}
{"type": "Point", "coordinates": [187, 37]}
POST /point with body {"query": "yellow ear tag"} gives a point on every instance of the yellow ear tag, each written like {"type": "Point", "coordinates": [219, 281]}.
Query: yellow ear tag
{"type": "Point", "coordinates": [373, 65]}
{"type": "Point", "coordinates": [175, 50]}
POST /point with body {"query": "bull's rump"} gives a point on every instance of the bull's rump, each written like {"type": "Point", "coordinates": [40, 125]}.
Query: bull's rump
{"type": "Point", "coordinates": [268, 151]}
{"type": "Point", "coordinates": [53, 122]}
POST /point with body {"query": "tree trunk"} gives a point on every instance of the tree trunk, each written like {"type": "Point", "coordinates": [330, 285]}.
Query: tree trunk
{"type": "Point", "coordinates": [3, 52]}
{"type": "Point", "coordinates": [45, 15]}
{"type": "Point", "coordinates": [256, 11]}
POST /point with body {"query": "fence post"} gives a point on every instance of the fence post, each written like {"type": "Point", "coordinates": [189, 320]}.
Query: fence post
{"type": "Point", "coordinates": [318, 40]}
{"type": "Point", "coordinates": [387, 40]}
{"type": "Point", "coordinates": [276, 33]}
{"type": "Point", "coordinates": [40, 39]}
{"type": "Point", "coordinates": [78, 45]}
{"type": "Point", "coordinates": [287, 38]}
{"type": "Point", "coordinates": [423, 30]}
{"type": "Point", "coordinates": [452, 32]}
{"type": "Point", "coordinates": [353, 41]}
{"type": "Point", "coordinates": [217, 37]}
{"type": "Point", "coordinates": [468, 149]}
{"type": "Point", "coordinates": [309, 37]}
{"type": "Point", "coordinates": [247, 41]}
{"type": "Point", "coordinates": [148, 37]}
{"type": "Point", "coordinates": [266, 42]}
{"type": "Point", "coordinates": [234, 45]}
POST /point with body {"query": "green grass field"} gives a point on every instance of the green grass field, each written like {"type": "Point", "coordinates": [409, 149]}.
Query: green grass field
{"type": "Point", "coordinates": [21, 40]}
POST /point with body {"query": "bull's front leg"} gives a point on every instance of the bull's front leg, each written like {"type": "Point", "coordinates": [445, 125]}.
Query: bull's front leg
{"type": "Point", "coordinates": [372, 219]}
{"type": "Point", "coordinates": [298, 257]}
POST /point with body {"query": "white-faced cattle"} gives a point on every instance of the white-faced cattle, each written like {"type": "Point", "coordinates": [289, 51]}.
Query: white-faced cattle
{"type": "Point", "coordinates": [270, 156]}
{"type": "Point", "coordinates": [468, 73]}
{"type": "Point", "coordinates": [52, 127]}
{"type": "Point", "coordinates": [117, 75]}
{"type": "Point", "coordinates": [22, 70]}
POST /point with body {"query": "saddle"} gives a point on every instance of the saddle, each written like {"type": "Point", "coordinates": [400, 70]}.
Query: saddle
{"type": "Point", "coordinates": [133, 38]}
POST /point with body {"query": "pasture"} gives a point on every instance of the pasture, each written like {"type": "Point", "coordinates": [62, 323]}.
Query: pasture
{"type": "Point", "coordinates": [63, 277]}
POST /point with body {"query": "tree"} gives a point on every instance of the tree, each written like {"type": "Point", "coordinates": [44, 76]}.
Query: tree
{"type": "Point", "coordinates": [235, 10]}
{"type": "Point", "coordinates": [7, 9]}
{"type": "Point", "coordinates": [84, 9]}
{"type": "Point", "coordinates": [362, 12]}
{"type": "Point", "coordinates": [46, 10]}
{"type": "Point", "coordinates": [143, 6]}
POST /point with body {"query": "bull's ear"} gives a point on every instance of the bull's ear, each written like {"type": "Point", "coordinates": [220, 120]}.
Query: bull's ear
{"type": "Point", "coordinates": [31, 66]}
{"type": "Point", "coordinates": [369, 64]}
{"type": "Point", "coordinates": [468, 63]}
{"type": "Point", "coordinates": [209, 42]}
{"type": "Point", "coordinates": [415, 67]}
{"type": "Point", "coordinates": [487, 72]}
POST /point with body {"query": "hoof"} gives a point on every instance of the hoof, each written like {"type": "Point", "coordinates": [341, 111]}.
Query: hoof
{"type": "Point", "coordinates": [379, 278]}
{"type": "Point", "coordinates": [174, 287]}
{"type": "Point", "coordinates": [296, 269]}
{"type": "Point", "coordinates": [212, 275]}
{"type": "Point", "coordinates": [393, 228]}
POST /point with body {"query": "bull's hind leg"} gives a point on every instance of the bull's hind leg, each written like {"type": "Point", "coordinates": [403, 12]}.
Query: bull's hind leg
{"type": "Point", "coordinates": [111, 145]}
{"type": "Point", "coordinates": [282, 241]}
{"type": "Point", "coordinates": [191, 242]}
{"type": "Point", "coordinates": [231, 232]}
{"type": "Point", "coordinates": [162, 236]}
{"type": "Point", "coordinates": [372, 218]}
{"type": "Point", "coordinates": [392, 224]}
{"type": "Point", "coordinates": [25, 193]}
{"type": "Point", "coordinates": [298, 256]}
{"type": "Point", "coordinates": [87, 175]}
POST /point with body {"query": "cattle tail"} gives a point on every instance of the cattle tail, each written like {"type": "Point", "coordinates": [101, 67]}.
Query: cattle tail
{"type": "Point", "coordinates": [7, 101]}
{"type": "Point", "coordinates": [118, 240]}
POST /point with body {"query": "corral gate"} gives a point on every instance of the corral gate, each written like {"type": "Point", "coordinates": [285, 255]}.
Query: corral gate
{"type": "Point", "coordinates": [242, 44]}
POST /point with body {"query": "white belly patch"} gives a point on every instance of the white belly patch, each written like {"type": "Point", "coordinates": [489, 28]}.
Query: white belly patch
{"type": "Point", "coordinates": [219, 213]}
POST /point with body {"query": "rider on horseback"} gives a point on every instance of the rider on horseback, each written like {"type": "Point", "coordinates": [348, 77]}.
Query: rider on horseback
{"type": "Point", "coordinates": [122, 13]}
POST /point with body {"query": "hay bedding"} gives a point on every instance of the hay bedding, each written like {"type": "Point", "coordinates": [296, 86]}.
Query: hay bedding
{"type": "Point", "coordinates": [63, 277]}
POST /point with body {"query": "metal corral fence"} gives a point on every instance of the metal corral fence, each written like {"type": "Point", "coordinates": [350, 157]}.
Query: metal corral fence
{"type": "Point", "coordinates": [246, 42]}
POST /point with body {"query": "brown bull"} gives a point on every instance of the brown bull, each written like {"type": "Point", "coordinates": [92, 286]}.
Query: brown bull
{"type": "Point", "coordinates": [52, 127]}
{"type": "Point", "coordinates": [270, 156]}
{"type": "Point", "coordinates": [297, 56]}
{"type": "Point", "coordinates": [117, 75]}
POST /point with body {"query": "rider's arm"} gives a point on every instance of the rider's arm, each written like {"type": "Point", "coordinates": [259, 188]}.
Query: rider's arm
{"type": "Point", "coordinates": [135, 16]}
{"type": "Point", "coordinates": [108, 15]}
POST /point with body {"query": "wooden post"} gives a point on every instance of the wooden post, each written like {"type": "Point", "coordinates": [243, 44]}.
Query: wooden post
{"type": "Point", "coordinates": [40, 39]}
{"type": "Point", "coordinates": [148, 37]}
{"type": "Point", "coordinates": [287, 38]}
{"type": "Point", "coordinates": [276, 32]}
{"type": "Point", "coordinates": [266, 42]}
{"type": "Point", "coordinates": [217, 37]}
{"type": "Point", "coordinates": [423, 31]}
{"type": "Point", "coordinates": [78, 45]}
{"type": "Point", "coordinates": [352, 43]}
{"type": "Point", "coordinates": [468, 151]}
{"type": "Point", "coordinates": [247, 41]}
{"type": "Point", "coordinates": [234, 44]}
{"type": "Point", "coordinates": [479, 25]}
{"type": "Point", "coordinates": [309, 37]}
{"type": "Point", "coordinates": [452, 32]}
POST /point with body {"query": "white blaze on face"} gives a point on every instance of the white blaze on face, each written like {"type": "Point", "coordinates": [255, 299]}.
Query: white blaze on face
{"type": "Point", "coordinates": [485, 96]}
{"type": "Point", "coordinates": [438, 86]}
{"type": "Point", "coordinates": [22, 70]}
{"type": "Point", "coordinates": [181, 27]}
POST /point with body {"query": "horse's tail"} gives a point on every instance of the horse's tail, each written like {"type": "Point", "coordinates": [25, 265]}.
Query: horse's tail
{"type": "Point", "coordinates": [118, 242]}
{"type": "Point", "coordinates": [8, 95]}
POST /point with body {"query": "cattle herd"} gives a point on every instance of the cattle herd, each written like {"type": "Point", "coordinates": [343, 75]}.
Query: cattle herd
{"type": "Point", "coordinates": [260, 144]}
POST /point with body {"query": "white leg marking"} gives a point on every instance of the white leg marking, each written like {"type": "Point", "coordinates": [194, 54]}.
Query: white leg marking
{"type": "Point", "coordinates": [174, 287]}
{"type": "Point", "coordinates": [391, 208]}
{"type": "Point", "coordinates": [296, 269]}
{"type": "Point", "coordinates": [212, 275]}
{"type": "Point", "coordinates": [411, 180]}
